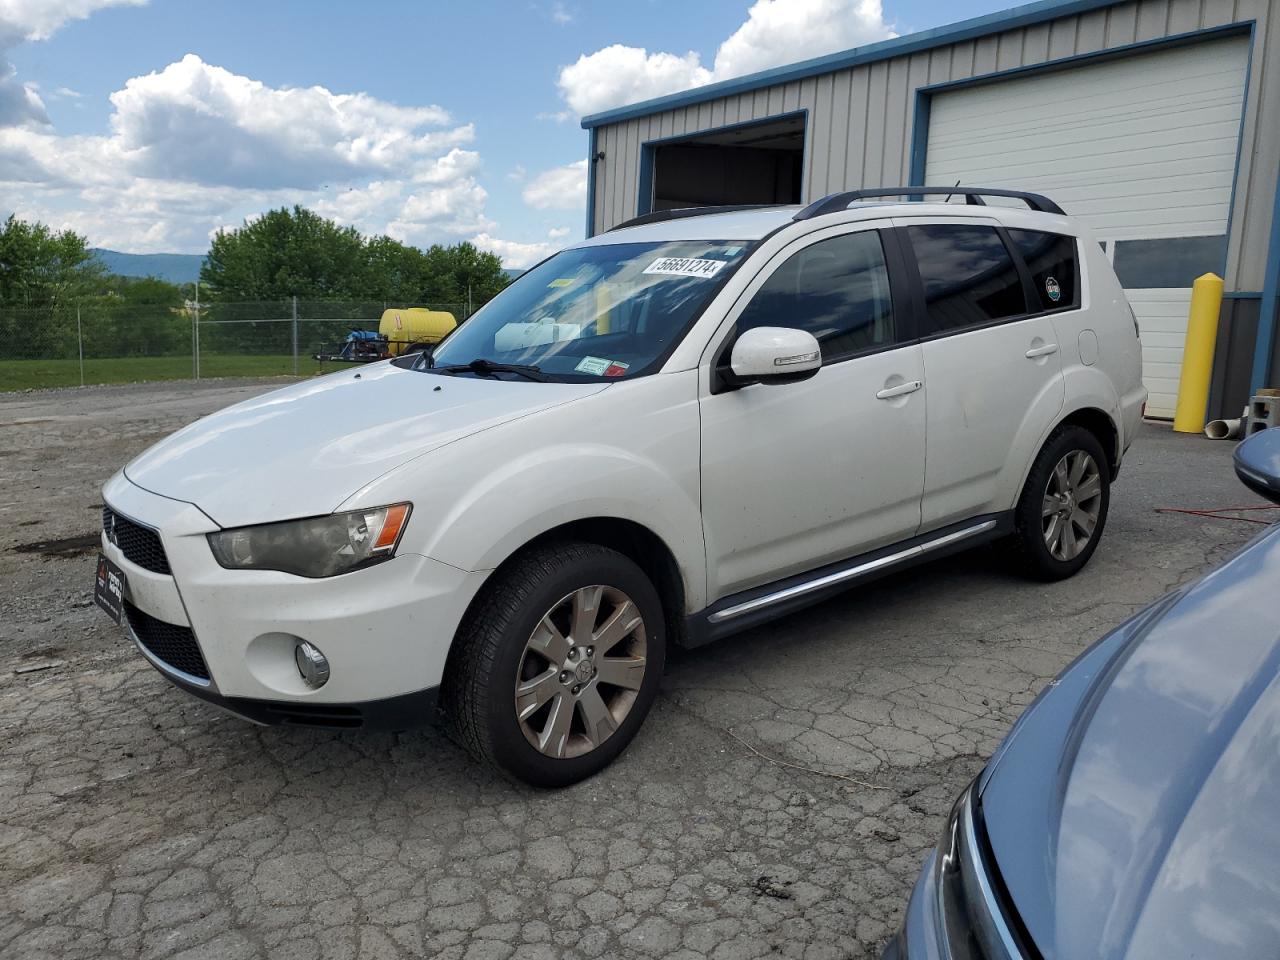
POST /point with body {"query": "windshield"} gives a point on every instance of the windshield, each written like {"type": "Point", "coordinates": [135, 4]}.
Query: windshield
{"type": "Point", "coordinates": [608, 311]}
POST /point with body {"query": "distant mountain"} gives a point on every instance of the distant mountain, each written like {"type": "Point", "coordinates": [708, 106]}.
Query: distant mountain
{"type": "Point", "coordinates": [174, 267]}
{"type": "Point", "coordinates": [512, 272]}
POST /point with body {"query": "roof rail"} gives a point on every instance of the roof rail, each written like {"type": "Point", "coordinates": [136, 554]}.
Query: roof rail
{"type": "Point", "coordinates": [680, 213]}
{"type": "Point", "coordinates": [838, 202]}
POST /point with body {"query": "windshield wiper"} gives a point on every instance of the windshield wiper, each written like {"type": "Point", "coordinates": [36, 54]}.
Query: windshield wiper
{"type": "Point", "coordinates": [487, 368]}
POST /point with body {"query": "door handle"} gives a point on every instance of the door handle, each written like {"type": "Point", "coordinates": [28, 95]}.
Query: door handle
{"type": "Point", "coordinates": [1042, 351]}
{"type": "Point", "coordinates": [902, 389]}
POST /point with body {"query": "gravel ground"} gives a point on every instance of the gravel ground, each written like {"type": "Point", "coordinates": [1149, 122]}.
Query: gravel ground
{"type": "Point", "coordinates": [778, 801]}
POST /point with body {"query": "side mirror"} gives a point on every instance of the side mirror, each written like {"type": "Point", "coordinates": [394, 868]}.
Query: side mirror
{"type": "Point", "coordinates": [774, 355]}
{"type": "Point", "coordinates": [1257, 461]}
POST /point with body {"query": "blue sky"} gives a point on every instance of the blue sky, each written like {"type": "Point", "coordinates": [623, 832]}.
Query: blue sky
{"type": "Point", "coordinates": [147, 124]}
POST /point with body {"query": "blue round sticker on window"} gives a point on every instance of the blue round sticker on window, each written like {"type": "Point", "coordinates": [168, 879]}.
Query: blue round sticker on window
{"type": "Point", "coordinates": [1052, 288]}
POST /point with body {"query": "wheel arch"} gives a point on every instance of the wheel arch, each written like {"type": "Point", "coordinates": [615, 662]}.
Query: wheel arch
{"type": "Point", "coordinates": [630, 538]}
{"type": "Point", "coordinates": [1103, 426]}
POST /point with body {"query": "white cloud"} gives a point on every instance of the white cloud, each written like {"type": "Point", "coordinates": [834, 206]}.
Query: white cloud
{"type": "Point", "coordinates": [775, 32]}
{"type": "Point", "coordinates": [66, 93]}
{"type": "Point", "coordinates": [513, 253]}
{"type": "Point", "coordinates": [194, 147]}
{"type": "Point", "coordinates": [560, 13]}
{"type": "Point", "coordinates": [200, 122]}
{"type": "Point", "coordinates": [560, 188]}
{"type": "Point", "coordinates": [24, 20]}
{"type": "Point", "coordinates": [618, 75]}
{"type": "Point", "coordinates": [558, 233]}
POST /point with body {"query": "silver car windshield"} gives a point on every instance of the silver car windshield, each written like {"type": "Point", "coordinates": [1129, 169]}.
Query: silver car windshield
{"type": "Point", "coordinates": [609, 311]}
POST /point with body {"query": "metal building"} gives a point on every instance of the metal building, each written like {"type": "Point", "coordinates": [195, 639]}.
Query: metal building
{"type": "Point", "coordinates": [1156, 121]}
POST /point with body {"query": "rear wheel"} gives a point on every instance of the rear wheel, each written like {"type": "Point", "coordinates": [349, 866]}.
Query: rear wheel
{"type": "Point", "coordinates": [557, 663]}
{"type": "Point", "coordinates": [1063, 508]}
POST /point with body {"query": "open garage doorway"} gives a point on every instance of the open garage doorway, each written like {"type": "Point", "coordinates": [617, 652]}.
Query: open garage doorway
{"type": "Point", "coordinates": [746, 163]}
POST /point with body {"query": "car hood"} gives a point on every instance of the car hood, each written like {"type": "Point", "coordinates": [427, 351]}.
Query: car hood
{"type": "Point", "coordinates": [1131, 812]}
{"type": "Point", "coordinates": [302, 450]}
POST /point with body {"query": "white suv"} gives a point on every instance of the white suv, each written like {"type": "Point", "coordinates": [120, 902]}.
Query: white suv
{"type": "Point", "coordinates": [686, 426]}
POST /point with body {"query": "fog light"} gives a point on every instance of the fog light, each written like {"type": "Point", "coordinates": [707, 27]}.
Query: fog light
{"type": "Point", "coordinates": [312, 664]}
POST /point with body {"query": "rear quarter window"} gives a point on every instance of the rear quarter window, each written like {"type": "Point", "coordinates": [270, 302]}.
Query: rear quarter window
{"type": "Point", "coordinates": [1051, 259]}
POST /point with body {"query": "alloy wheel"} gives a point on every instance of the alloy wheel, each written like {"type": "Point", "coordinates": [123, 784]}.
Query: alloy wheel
{"type": "Point", "coordinates": [1071, 506]}
{"type": "Point", "coordinates": [581, 671]}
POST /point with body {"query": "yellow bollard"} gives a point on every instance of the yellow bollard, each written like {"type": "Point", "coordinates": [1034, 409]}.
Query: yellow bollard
{"type": "Point", "coordinates": [1197, 356]}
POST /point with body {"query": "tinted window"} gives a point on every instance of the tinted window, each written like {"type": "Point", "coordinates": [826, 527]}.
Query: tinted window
{"type": "Point", "coordinates": [968, 276]}
{"type": "Point", "coordinates": [837, 289]}
{"type": "Point", "coordinates": [1168, 263]}
{"type": "Point", "coordinates": [1051, 258]}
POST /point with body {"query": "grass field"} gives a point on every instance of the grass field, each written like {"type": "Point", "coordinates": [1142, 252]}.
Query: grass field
{"type": "Point", "coordinates": [28, 374]}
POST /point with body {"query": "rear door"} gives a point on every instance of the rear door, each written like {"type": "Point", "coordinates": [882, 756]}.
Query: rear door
{"type": "Point", "coordinates": [993, 366]}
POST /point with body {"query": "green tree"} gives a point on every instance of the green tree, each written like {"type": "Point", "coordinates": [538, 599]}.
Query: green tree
{"type": "Point", "coordinates": [285, 253]}
{"type": "Point", "coordinates": [394, 272]}
{"type": "Point", "coordinates": [456, 270]}
{"type": "Point", "coordinates": [41, 267]}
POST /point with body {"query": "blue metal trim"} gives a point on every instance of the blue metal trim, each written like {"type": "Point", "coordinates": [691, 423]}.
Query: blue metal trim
{"type": "Point", "coordinates": [1243, 295]}
{"type": "Point", "coordinates": [644, 188]}
{"type": "Point", "coordinates": [1023, 16]}
{"type": "Point", "coordinates": [1239, 27]}
{"type": "Point", "coordinates": [1235, 174]}
{"type": "Point", "coordinates": [591, 183]}
{"type": "Point", "coordinates": [919, 137]}
{"type": "Point", "coordinates": [1267, 309]}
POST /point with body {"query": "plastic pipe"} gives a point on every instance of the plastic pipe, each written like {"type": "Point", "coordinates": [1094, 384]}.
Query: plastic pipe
{"type": "Point", "coordinates": [1224, 429]}
{"type": "Point", "coordinates": [1197, 356]}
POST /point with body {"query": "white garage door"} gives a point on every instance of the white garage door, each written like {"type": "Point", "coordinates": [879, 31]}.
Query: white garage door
{"type": "Point", "coordinates": [1142, 148]}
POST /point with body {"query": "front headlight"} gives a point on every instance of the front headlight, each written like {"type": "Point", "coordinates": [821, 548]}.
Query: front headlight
{"type": "Point", "coordinates": [316, 547]}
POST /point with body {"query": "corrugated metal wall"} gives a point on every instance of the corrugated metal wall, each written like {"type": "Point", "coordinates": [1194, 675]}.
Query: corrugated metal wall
{"type": "Point", "coordinates": [860, 119]}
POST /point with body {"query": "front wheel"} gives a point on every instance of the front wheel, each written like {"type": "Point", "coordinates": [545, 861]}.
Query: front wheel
{"type": "Point", "coordinates": [557, 663]}
{"type": "Point", "coordinates": [1063, 507]}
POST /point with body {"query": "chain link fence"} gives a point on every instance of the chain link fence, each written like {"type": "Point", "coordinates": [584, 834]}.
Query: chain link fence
{"type": "Point", "coordinates": [97, 341]}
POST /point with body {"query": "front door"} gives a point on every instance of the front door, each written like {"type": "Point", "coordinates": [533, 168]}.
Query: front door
{"type": "Point", "coordinates": [798, 475]}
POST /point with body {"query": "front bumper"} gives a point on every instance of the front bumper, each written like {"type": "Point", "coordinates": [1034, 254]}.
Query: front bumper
{"type": "Point", "coordinates": [404, 712]}
{"type": "Point", "coordinates": [386, 629]}
{"type": "Point", "coordinates": [956, 910]}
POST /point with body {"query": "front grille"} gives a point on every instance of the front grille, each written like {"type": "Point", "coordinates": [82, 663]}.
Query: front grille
{"type": "Point", "coordinates": [170, 644]}
{"type": "Point", "coordinates": [139, 544]}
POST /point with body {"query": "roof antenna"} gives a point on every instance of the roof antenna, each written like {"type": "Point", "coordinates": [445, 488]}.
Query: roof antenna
{"type": "Point", "coordinates": [953, 186]}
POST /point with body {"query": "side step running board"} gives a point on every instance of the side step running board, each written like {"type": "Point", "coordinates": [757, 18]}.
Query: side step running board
{"type": "Point", "coordinates": [855, 571]}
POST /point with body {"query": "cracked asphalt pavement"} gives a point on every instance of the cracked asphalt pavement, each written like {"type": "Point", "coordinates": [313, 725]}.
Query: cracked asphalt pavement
{"type": "Point", "coordinates": [778, 801]}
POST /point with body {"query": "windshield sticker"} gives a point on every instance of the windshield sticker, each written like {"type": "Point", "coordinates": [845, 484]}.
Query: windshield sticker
{"type": "Point", "coordinates": [1052, 288]}
{"type": "Point", "coordinates": [685, 267]}
{"type": "Point", "coordinates": [616, 369]}
{"type": "Point", "coordinates": [561, 282]}
{"type": "Point", "coordinates": [592, 365]}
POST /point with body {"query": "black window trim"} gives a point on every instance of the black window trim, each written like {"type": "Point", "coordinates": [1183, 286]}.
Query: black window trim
{"type": "Point", "coordinates": [1029, 294]}
{"type": "Point", "coordinates": [901, 301]}
{"type": "Point", "coordinates": [1033, 295]}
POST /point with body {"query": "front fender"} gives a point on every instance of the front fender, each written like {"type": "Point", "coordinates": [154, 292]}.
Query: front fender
{"type": "Point", "coordinates": [530, 495]}
{"type": "Point", "coordinates": [630, 453]}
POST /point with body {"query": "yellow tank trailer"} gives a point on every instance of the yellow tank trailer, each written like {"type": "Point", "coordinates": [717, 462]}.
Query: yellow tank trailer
{"type": "Point", "coordinates": [406, 327]}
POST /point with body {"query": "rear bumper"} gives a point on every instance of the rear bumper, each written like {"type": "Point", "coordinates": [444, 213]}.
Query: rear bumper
{"type": "Point", "coordinates": [404, 712]}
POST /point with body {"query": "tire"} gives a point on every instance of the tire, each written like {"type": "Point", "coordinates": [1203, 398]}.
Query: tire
{"type": "Point", "coordinates": [1047, 546]}
{"type": "Point", "coordinates": [504, 643]}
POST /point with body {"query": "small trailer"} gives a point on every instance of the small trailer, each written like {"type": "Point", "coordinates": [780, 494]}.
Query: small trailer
{"type": "Point", "coordinates": [401, 330]}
